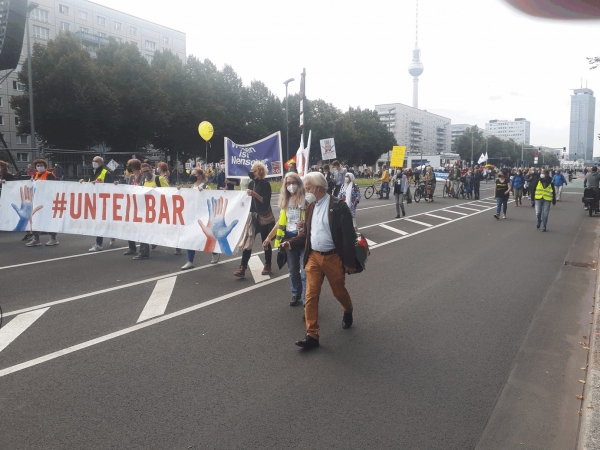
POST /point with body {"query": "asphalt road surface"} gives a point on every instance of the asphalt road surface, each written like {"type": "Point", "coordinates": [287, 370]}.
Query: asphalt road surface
{"type": "Point", "coordinates": [467, 334]}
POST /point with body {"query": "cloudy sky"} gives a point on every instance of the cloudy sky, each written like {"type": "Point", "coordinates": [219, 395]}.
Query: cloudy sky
{"type": "Point", "coordinates": [483, 60]}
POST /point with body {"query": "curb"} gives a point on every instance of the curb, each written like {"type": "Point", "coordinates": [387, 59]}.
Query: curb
{"type": "Point", "coordinates": [589, 428]}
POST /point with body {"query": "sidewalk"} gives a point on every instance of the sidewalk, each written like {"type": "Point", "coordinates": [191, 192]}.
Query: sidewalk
{"type": "Point", "coordinates": [589, 435]}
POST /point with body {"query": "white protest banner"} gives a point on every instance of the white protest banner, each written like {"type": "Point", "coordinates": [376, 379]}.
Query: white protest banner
{"type": "Point", "coordinates": [209, 221]}
{"type": "Point", "coordinates": [327, 149]}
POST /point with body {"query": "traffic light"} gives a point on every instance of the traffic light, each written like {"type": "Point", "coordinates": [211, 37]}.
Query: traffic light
{"type": "Point", "coordinates": [537, 154]}
{"type": "Point", "coordinates": [564, 149]}
{"type": "Point", "coordinates": [13, 14]}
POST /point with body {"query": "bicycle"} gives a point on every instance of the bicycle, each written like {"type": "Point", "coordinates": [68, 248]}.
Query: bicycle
{"type": "Point", "coordinates": [420, 192]}
{"type": "Point", "coordinates": [447, 190]}
{"type": "Point", "coordinates": [461, 190]}
{"type": "Point", "coordinates": [370, 190]}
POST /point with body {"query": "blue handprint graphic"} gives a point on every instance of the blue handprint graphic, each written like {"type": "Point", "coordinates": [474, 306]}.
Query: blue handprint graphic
{"type": "Point", "coordinates": [216, 230]}
{"type": "Point", "coordinates": [26, 211]}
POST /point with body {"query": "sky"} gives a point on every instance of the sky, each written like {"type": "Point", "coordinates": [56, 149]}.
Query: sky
{"type": "Point", "coordinates": [483, 59]}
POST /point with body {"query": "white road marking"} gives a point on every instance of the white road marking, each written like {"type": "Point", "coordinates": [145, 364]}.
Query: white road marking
{"type": "Point", "coordinates": [139, 326]}
{"type": "Point", "coordinates": [371, 243]}
{"type": "Point", "coordinates": [455, 212]}
{"type": "Point", "coordinates": [62, 257]}
{"type": "Point", "coordinates": [464, 207]}
{"type": "Point", "coordinates": [438, 217]}
{"type": "Point", "coordinates": [158, 301]}
{"type": "Point", "coordinates": [420, 223]}
{"type": "Point", "coordinates": [256, 266]}
{"type": "Point", "coordinates": [395, 230]}
{"type": "Point", "coordinates": [18, 325]}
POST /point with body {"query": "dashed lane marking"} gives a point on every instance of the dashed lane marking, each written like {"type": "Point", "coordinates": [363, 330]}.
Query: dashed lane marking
{"type": "Point", "coordinates": [419, 223]}
{"type": "Point", "coordinates": [158, 301]}
{"type": "Point", "coordinates": [438, 217]}
{"type": "Point", "coordinates": [256, 266]}
{"type": "Point", "coordinates": [464, 207]}
{"type": "Point", "coordinates": [395, 230]}
{"type": "Point", "coordinates": [455, 212]}
{"type": "Point", "coordinates": [17, 326]}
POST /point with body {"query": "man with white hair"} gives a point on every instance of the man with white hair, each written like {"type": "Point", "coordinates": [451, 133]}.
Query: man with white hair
{"type": "Point", "coordinates": [99, 174]}
{"type": "Point", "coordinates": [328, 239]}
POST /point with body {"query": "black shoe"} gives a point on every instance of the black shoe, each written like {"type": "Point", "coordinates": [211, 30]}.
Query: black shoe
{"type": "Point", "coordinates": [544, 229]}
{"type": "Point", "coordinates": [538, 224]}
{"type": "Point", "coordinates": [308, 343]}
{"type": "Point", "coordinates": [347, 320]}
{"type": "Point", "coordinates": [153, 247]}
{"type": "Point", "coordinates": [497, 216]}
{"type": "Point", "coordinates": [141, 256]}
{"type": "Point", "coordinates": [130, 252]}
{"type": "Point", "coordinates": [295, 300]}
{"type": "Point", "coordinates": [403, 213]}
{"type": "Point", "coordinates": [397, 216]}
{"type": "Point", "coordinates": [27, 237]}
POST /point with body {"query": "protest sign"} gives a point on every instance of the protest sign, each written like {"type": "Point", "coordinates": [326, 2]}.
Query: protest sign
{"type": "Point", "coordinates": [210, 221]}
{"type": "Point", "coordinates": [398, 152]}
{"type": "Point", "coordinates": [239, 158]}
{"type": "Point", "coordinates": [327, 149]}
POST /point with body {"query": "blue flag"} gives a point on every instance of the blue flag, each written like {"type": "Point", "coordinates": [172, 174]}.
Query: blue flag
{"type": "Point", "coordinates": [239, 158]}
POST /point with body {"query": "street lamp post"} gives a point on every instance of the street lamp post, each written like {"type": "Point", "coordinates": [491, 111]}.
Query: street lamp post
{"type": "Point", "coordinates": [30, 7]}
{"type": "Point", "coordinates": [389, 130]}
{"type": "Point", "coordinates": [287, 122]}
{"type": "Point", "coordinates": [471, 148]}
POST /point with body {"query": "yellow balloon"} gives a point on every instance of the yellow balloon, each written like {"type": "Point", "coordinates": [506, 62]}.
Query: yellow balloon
{"type": "Point", "coordinates": [206, 130]}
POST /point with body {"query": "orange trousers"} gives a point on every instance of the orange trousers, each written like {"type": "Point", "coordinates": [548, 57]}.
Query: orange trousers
{"type": "Point", "coordinates": [317, 268]}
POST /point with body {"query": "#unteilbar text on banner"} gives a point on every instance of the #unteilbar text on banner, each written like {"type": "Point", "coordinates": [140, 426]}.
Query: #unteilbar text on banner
{"type": "Point", "coordinates": [210, 221]}
{"type": "Point", "coordinates": [239, 158]}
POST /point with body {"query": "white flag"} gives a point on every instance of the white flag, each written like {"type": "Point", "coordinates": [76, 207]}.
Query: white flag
{"type": "Point", "coordinates": [302, 156]}
{"type": "Point", "coordinates": [486, 156]}
{"type": "Point", "coordinates": [481, 159]}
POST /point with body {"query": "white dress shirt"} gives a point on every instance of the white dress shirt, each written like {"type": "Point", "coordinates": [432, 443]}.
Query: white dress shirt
{"type": "Point", "coordinates": [320, 233]}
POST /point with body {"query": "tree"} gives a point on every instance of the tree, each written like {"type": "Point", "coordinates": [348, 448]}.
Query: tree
{"type": "Point", "coordinates": [73, 107]}
{"type": "Point", "coordinates": [136, 111]}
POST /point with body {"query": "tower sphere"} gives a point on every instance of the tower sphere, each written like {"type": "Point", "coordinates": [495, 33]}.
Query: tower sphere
{"type": "Point", "coordinates": [416, 66]}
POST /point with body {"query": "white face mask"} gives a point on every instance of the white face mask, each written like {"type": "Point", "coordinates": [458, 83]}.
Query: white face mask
{"type": "Point", "coordinates": [95, 165]}
{"type": "Point", "coordinates": [542, 175]}
{"type": "Point", "coordinates": [40, 169]}
{"type": "Point", "coordinates": [310, 198]}
{"type": "Point", "coordinates": [292, 188]}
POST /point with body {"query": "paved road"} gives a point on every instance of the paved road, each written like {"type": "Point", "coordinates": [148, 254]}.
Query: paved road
{"type": "Point", "coordinates": [467, 335]}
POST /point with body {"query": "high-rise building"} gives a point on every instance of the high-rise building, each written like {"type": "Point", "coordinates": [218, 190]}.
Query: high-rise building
{"type": "Point", "coordinates": [583, 115]}
{"type": "Point", "coordinates": [420, 131]}
{"type": "Point", "coordinates": [93, 25]}
{"type": "Point", "coordinates": [461, 128]}
{"type": "Point", "coordinates": [518, 130]}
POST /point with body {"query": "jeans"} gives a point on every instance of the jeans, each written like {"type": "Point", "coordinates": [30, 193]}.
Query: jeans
{"type": "Point", "coordinates": [542, 209]}
{"type": "Point", "coordinates": [455, 187]}
{"type": "Point", "coordinates": [558, 192]}
{"type": "Point", "coordinates": [501, 202]}
{"type": "Point", "coordinates": [399, 203]}
{"type": "Point", "coordinates": [295, 260]}
{"type": "Point", "coordinates": [476, 189]}
{"type": "Point", "coordinates": [385, 187]}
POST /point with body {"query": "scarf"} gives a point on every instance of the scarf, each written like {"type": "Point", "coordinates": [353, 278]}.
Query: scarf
{"type": "Point", "coordinates": [349, 188]}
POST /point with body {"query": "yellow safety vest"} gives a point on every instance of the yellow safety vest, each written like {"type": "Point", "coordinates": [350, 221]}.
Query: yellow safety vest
{"type": "Point", "coordinates": [282, 225]}
{"type": "Point", "coordinates": [542, 193]}
{"type": "Point", "coordinates": [100, 177]}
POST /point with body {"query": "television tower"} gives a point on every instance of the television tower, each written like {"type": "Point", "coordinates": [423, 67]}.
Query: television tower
{"type": "Point", "coordinates": [416, 66]}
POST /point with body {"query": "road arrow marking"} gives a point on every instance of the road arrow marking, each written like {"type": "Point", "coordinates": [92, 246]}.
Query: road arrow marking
{"type": "Point", "coordinates": [256, 266]}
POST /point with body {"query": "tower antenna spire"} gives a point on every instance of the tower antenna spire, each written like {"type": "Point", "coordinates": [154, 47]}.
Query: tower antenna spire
{"type": "Point", "coordinates": [416, 66]}
{"type": "Point", "coordinates": [417, 27]}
